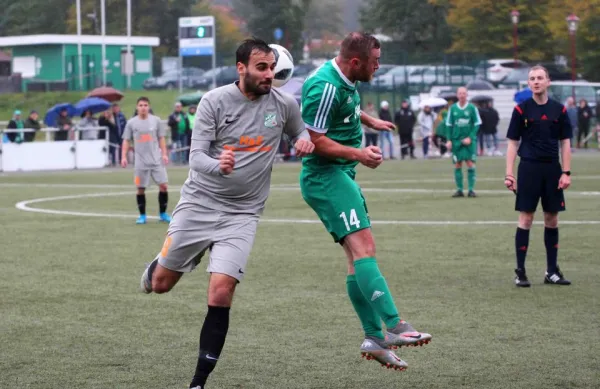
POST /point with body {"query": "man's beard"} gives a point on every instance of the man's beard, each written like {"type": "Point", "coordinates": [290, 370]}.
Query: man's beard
{"type": "Point", "coordinates": [251, 86]}
{"type": "Point", "coordinates": [362, 75]}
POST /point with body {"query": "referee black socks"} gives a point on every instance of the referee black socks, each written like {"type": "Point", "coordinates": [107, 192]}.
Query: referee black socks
{"type": "Point", "coordinates": [551, 242]}
{"type": "Point", "coordinates": [212, 340]}
{"type": "Point", "coordinates": [521, 245]}
{"type": "Point", "coordinates": [141, 202]}
{"type": "Point", "coordinates": [163, 200]}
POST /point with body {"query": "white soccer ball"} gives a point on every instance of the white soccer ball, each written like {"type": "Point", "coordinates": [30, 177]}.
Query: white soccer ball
{"type": "Point", "coordinates": [284, 68]}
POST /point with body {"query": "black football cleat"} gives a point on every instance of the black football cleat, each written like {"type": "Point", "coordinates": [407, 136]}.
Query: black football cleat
{"type": "Point", "coordinates": [556, 278]}
{"type": "Point", "coordinates": [458, 193]}
{"type": "Point", "coordinates": [521, 279]}
{"type": "Point", "coordinates": [472, 194]}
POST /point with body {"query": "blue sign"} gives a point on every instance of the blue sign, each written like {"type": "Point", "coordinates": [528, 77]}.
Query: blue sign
{"type": "Point", "coordinates": [195, 51]}
{"type": "Point", "coordinates": [278, 33]}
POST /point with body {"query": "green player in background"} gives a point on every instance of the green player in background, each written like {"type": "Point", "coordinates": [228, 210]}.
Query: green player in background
{"type": "Point", "coordinates": [462, 123]}
{"type": "Point", "coordinates": [331, 111]}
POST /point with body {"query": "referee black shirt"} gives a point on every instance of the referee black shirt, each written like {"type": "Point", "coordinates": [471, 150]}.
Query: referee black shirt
{"type": "Point", "coordinates": [540, 128]}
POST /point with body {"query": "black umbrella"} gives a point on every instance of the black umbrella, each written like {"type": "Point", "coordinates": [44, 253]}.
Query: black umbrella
{"type": "Point", "coordinates": [480, 85]}
{"type": "Point", "coordinates": [448, 96]}
{"type": "Point", "coordinates": [481, 98]}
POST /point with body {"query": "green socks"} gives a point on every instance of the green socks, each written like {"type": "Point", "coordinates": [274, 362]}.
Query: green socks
{"type": "Point", "coordinates": [458, 178]}
{"type": "Point", "coordinates": [375, 290]}
{"type": "Point", "coordinates": [471, 178]}
{"type": "Point", "coordinates": [369, 319]}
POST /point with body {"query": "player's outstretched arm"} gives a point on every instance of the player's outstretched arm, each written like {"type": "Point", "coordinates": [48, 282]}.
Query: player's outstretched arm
{"type": "Point", "coordinates": [376, 124]}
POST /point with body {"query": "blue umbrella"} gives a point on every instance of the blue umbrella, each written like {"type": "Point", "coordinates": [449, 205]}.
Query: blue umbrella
{"type": "Point", "coordinates": [523, 95]}
{"type": "Point", "coordinates": [53, 113]}
{"type": "Point", "coordinates": [93, 104]}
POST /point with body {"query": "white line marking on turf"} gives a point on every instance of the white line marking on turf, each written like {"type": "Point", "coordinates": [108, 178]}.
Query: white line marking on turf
{"type": "Point", "coordinates": [289, 188]}
{"type": "Point", "coordinates": [24, 206]}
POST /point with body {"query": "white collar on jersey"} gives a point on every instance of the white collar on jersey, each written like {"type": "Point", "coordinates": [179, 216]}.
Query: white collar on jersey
{"type": "Point", "coordinates": [337, 68]}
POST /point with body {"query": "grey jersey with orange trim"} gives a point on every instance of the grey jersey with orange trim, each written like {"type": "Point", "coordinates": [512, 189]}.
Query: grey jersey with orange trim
{"type": "Point", "coordinates": [145, 134]}
{"type": "Point", "coordinates": [252, 129]}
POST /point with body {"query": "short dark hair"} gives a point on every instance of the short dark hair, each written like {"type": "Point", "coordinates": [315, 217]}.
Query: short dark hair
{"type": "Point", "coordinates": [143, 98]}
{"type": "Point", "coordinates": [245, 50]}
{"type": "Point", "coordinates": [358, 45]}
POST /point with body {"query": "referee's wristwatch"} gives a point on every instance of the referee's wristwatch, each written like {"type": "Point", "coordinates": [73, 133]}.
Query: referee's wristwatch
{"type": "Point", "coordinates": [567, 172]}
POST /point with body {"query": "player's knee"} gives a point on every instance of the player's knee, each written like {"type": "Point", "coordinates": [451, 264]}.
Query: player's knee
{"type": "Point", "coordinates": [220, 290]}
{"type": "Point", "coordinates": [161, 285]}
{"type": "Point", "coordinates": [141, 191]}
{"type": "Point", "coordinates": [221, 295]}
{"type": "Point", "coordinates": [163, 187]}
{"type": "Point", "coordinates": [551, 220]}
{"type": "Point", "coordinates": [525, 220]}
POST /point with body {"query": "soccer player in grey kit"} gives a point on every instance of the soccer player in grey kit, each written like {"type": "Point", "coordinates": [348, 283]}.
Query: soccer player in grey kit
{"type": "Point", "coordinates": [234, 143]}
{"type": "Point", "coordinates": [151, 157]}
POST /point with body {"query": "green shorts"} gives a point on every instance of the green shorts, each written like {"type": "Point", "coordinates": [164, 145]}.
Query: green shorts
{"type": "Point", "coordinates": [461, 152]}
{"type": "Point", "coordinates": [336, 199]}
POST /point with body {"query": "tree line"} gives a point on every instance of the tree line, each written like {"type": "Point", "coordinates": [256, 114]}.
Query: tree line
{"type": "Point", "coordinates": [419, 27]}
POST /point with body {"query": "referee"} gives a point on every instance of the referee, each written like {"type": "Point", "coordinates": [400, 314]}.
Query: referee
{"type": "Point", "coordinates": [540, 124]}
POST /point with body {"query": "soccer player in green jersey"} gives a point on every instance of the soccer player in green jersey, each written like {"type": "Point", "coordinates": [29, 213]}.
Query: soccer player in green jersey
{"type": "Point", "coordinates": [331, 112]}
{"type": "Point", "coordinates": [462, 123]}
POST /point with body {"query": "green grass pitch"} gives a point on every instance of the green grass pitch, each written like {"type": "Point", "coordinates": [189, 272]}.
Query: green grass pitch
{"type": "Point", "coordinates": [71, 315]}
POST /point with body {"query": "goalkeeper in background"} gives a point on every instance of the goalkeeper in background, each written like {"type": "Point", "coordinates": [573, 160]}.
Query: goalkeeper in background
{"type": "Point", "coordinates": [462, 123]}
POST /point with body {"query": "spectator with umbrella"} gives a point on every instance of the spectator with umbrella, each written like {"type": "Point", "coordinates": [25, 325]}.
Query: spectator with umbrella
{"type": "Point", "coordinates": [87, 108]}
{"type": "Point", "coordinates": [59, 116]}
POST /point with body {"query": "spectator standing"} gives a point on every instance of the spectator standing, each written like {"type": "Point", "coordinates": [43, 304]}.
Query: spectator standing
{"type": "Point", "coordinates": [371, 135]}
{"type": "Point", "coordinates": [584, 118]}
{"type": "Point", "coordinates": [426, 119]}
{"type": "Point", "coordinates": [386, 136]}
{"type": "Point", "coordinates": [32, 122]}
{"type": "Point", "coordinates": [180, 125]}
{"type": "Point", "coordinates": [405, 122]}
{"type": "Point", "coordinates": [16, 123]}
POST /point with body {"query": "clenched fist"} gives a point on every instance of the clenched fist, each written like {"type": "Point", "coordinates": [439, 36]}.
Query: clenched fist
{"type": "Point", "coordinates": [303, 147]}
{"type": "Point", "coordinates": [226, 162]}
{"type": "Point", "coordinates": [371, 156]}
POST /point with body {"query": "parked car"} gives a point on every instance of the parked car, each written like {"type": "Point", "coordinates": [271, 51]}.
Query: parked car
{"type": "Point", "coordinates": [444, 75]}
{"type": "Point", "coordinates": [170, 79]}
{"type": "Point", "coordinates": [495, 70]}
{"type": "Point", "coordinates": [561, 90]}
{"type": "Point", "coordinates": [392, 78]}
{"type": "Point", "coordinates": [556, 72]}
{"type": "Point", "coordinates": [223, 75]}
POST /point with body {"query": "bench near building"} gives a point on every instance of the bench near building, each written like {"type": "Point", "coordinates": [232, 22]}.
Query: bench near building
{"type": "Point", "coordinates": [52, 62]}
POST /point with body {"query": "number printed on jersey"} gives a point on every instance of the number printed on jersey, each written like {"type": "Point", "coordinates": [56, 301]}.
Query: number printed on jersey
{"type": "Point", "coordinates": [350, 221]}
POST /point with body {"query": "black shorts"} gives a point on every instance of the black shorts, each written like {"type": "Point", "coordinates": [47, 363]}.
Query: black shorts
{"type": "Point", "coordinates": [537, 180]}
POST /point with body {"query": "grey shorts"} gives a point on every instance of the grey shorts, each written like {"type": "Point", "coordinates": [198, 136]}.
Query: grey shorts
{"type": "Point", "coordinates": [158, 175]}
{"type": "Point", "coordinates": [195, 229]}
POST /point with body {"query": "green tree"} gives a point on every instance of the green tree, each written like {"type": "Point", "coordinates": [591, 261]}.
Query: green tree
{"type": "Point", "coordinates": [47, 17]}
{"type": "Point", "coordinates": [228, 34]}
{"type": "Point", "coordinates": [323, 18]}
{"type": "Point", "coordinates": [416, 26]}
{"type": "Point", "coordinates": [264, 16]}
{"type": "Point", "coordinates": [484, 27]}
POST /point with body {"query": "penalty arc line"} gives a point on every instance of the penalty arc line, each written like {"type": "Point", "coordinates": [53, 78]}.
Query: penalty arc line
{"type": "Point", "coordinates": [24, 206]}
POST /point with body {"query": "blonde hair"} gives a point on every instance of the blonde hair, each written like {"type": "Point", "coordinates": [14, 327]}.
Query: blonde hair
{"type": "Point", "coordinates": [539, 67]}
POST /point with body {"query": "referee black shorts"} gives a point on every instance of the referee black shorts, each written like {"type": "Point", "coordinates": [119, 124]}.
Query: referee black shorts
{"type": "Point", "coordinates": [539, 180]}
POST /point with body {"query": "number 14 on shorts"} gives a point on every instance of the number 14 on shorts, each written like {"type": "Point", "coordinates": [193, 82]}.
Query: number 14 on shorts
{"type": "Point", "coordinates": [352, 221]}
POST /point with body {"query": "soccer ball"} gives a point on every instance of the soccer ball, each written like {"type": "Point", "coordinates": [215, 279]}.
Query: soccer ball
{"type": "Point", "coordinates": [284, 68]}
